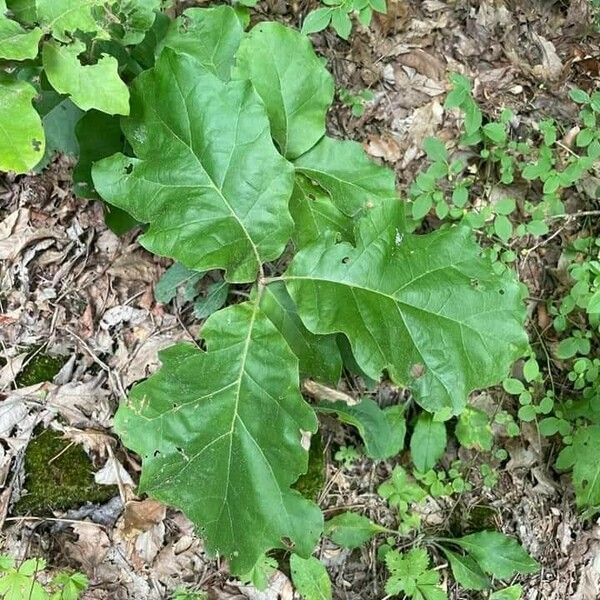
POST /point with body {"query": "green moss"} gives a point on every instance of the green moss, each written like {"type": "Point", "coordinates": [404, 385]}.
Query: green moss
{"type": "Point", "coordinates": [58, 475]}
{"type": "Point", "coordinates": [40, 367]}
{"type": "Point", "coordinates": [311, 483]}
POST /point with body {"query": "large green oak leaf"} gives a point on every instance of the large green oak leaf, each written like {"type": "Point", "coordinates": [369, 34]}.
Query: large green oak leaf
{"type": "Point", "coordinates": [17, 43]}
{"type": "Point", "coordinates": [62, 17]}
{"type": "Point", "coordinates": [354, 182]}
{"type": "Point", "coordinates": [220, 434]}
{"type": "Point", "coordinates": [22, 140]}
{"type": "Point", "coordinates": [208, 178]}
{"type": "Point", "coordinates": [428, 309]}
{"type": "Point", "coordinates": [210, 35]}
{"type": "Point", "coordinates": [89, 86]}
{"type": "Point", "coordinates": [292, 81]}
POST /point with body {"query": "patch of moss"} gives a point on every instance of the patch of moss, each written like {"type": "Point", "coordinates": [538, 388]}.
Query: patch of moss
{"type": "Point", "coordinates": [40, 367]}
{"type": "Point", "coordinates": [311, 483]}
{"type": "Point", "coordinates": [58, 475]}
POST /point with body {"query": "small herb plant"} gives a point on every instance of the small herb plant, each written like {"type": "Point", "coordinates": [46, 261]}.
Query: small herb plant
{"type": "Point", "coordinates": [339, 13]}
{"type": "Point", "coordinates": [29, 580]}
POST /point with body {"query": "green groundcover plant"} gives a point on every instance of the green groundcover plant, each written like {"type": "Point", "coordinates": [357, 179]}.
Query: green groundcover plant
{"type": "Point", "coordinates": [213, 139]}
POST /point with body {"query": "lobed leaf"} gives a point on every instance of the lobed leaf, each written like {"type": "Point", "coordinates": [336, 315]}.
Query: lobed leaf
{"type": "Point", "coordinates": [202, 418]}
{"type": "Point", "coordinates": [22, 140]}
{"type": "Point", "coordinates": [89, 86]}
{"type": "Point", "coordinates": [17, 43]}
{"type": "Point", "coordinates": [292, 81]}
{"type": "Point", "coordinates": [62, 17]}
{"type": "Point", "coordinates": [318, 355]}
{"type": "Point", "coordinates": [428, 309]}
{"type": "Point", "coordinates": [204, 146]}
{"type": "Point", "coordinates": [210, 35]}
{"type": "Point", "coordinates": [354, 182]}
{"type": "Point", "coordinates": [315, 214]}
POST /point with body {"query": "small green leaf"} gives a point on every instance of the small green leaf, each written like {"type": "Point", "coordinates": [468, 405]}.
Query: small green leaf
{"type": "Point", "coordinates": [174, 277]}
{"type": "Point", "coordinates": [505, 206]}
{"type": "Point", "coordinates": [220, 32]}
{"type": "Point", "coordinates": [497, 554]}
{"type": "Point", "coordinates": [586, 468]}
{"type": "Point", "coordinates": [400, 491]}
{"type": "Point", "coordinates": [513, 386]}
{"type": "Point", "coordinates": [579, 96]}
{"type": "Point", "coordinates": [567, 348]}
{"type": "Point", "coordinates": [435, 149]}
{"type": "Point", "coordinates": [584, 137]}
{"type": "Point", "coordinates": [503, 227]}
{"type": "Point", "coordinates": [466, 571]}
{"type": "Point", "coordinates": [382, 431]}
{"type": "Point", "coordinates": [22, 139]}
{"type": "Point", "coordinates": [293, 83]}
{"type": "Point", "coordinates": [317, 20]}
{"type": "Point", "coordinates": [514, 592]}
{"type": "Point", "coordinates": [473, 429]}
{"type": "Point", "coordinates": [351, 530]}
{"type": "Point", "coordinates": [593, 305]}
{"type": "Point", "coordinates": [537, 227]}
{"type": "Point", "coordinates": [89, 86]}
{"type": "Point", "coordinates": [531, 369]}
{"type": "Point", "coordinates": [428, 442]}
{"type": "Point", "coordinates": [310, 578]}
{"type": "Point", "coordinates": [496, 132]}
{"type": "Point", "coordinates": [341, 22]}
{"type": "Point", "coordinates": [215, 298]}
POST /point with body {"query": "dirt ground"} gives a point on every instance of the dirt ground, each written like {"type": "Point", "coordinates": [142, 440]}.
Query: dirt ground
{"type": "Point", "coordinates": [70, 287]}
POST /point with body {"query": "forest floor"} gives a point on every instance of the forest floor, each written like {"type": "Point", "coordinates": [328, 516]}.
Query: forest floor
{"type": "Point", "coordinates": [73, 289]}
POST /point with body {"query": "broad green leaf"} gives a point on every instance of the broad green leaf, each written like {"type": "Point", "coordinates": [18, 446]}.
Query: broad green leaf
{"type": "Point", "coordinates": [314, 214]}
{"type": "Point", "coordinates": [134, 19]}
{"type": "Point", "coordinates": [205, 146]}
{"type": "Point", "coordinates": [22, 140]}
{"type": "Point", "coordinates": [94, 147]}
{"type": "Point", "coordinates": [497, 554]}
{"type": "Point", "coordinates": [292, 81]}
{"type": "Point", "coordinates": [24, 10]}
{"type": "Point", "coordinates": [210, 35]}
{"type": "Point", "coordinates": [59, 117]}
{"type": "Point", "coordinates": [473, 429]}
{"type": "Point", "coordinates": [514, 592]}
{"type": "Point", "coordinates": [89, 86]}
{"type": "Point", "coordinates": [466, 571]}
{"type": "Point", "coordinates": [586, 468]}
{"type": "Point", "coordinates": [351, 178]}
{"type": "Point", "coordinates": [318, 355]}
{"type": "Point", "coordinates": [230, 420]}
{"type": "Point", "coordinates": [310, 578]}
{"type": "Point", "coordinates": [351, 530]}
{"type": "Point", "coordinates": [428, 442]}
{"type": "Point", "coordinates": [382, 431]}
{"type": "Point", "coordinates": [428, 309]}
{"type": "Point", "coordinates": [62, 17]}
{"type": "Point", "coordinates": [17, 43]}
